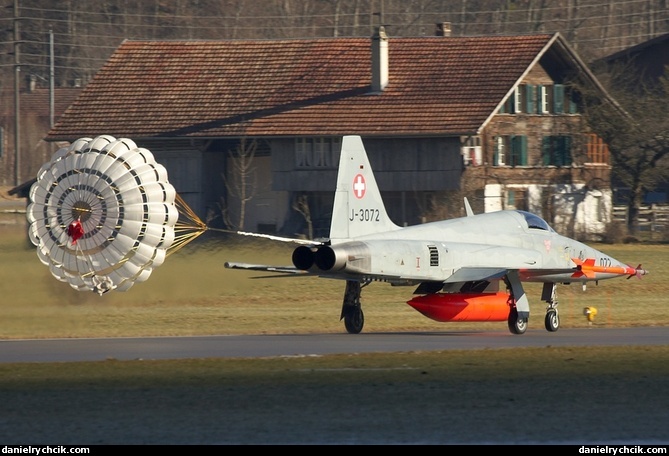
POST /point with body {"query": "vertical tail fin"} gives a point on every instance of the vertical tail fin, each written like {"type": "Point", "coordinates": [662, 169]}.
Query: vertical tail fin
{"type": "Point", "coordinates": [358, 208]}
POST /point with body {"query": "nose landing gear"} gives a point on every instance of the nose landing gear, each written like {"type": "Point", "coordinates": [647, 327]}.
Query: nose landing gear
{"type": "Point", "coordinates": [552, 319]}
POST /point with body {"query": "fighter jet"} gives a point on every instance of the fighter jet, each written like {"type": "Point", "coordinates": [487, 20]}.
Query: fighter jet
{"type": "Point", "coordinates": [470, 268]}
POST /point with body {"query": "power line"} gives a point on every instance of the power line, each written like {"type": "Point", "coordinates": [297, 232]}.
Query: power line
{"type": "Point", "coordinates": [137, 25]}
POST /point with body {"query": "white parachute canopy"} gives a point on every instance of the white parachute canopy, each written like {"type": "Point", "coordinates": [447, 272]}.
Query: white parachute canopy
{"type": "Point", "coordinates": [103, 214]}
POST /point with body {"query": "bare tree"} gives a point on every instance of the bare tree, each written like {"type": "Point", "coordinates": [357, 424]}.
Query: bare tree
{"type": "Point", "coordinates": [639, 141]}
{"type": "Point", "coordinates": [240, 183]}
{"type": "Point", "coordinates": [301, 205]}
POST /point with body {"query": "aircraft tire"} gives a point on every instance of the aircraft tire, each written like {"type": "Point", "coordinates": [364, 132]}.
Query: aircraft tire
{"type": "Point", "coordinates": [354, 320]}
{"type": "Point", "coordinates": [516, 325]}
{"type": "Point", "coordinates": [552, 321]}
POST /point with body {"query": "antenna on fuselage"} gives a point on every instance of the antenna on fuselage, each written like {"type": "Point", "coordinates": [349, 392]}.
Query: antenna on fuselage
{"type": "Point", "coordinates": [468, 208]}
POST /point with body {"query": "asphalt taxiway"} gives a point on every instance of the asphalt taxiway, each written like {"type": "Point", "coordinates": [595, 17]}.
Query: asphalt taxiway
{"type": "Point", "coordinates": [260, 346]}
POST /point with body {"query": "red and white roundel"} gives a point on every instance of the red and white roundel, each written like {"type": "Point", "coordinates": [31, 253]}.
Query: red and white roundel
{"type": "Point", "coordinates": [359, 186]}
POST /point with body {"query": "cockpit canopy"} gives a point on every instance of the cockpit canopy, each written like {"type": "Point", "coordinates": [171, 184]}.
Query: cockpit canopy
{"type": "Point", "coordinates": [534, 222]}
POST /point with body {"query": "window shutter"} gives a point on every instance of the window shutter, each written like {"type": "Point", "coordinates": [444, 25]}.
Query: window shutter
{"type": "Point", "coordinates": [546, 150]}
{"type": "Point", "coordinates": [518, 153]}
{"type": "Point", "coordinates": [523, 150]}
{"type": "Point", "coordinates": [565, 151]}
{"type": "Point", "coordinates": [573, 107]}
{"type": "Point", "coordinates": [495, 156]}
{"type": "Point", "coordinates": [559, 144]}
{"type": "Point", "coordinates": [558, 99]}
{"type": "Point", "coordinates": [530, 99]}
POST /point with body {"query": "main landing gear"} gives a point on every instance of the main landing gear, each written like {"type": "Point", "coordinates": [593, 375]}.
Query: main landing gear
{"type": "Point", "coordinates": [519, 313]}
{"type": "Point", "coordinates": [518, 324]}
{"type": "Point", "coordinates": [351, 311]}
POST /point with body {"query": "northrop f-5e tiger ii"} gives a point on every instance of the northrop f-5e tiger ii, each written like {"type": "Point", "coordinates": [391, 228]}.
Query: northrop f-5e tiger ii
{"type": "Point", "coordinates": [470, 268]}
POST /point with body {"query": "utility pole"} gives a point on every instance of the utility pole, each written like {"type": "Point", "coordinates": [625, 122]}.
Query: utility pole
{"type": "Point", "coordinates": [52, 76]}
{"type": "Point", "coordinates": [17, 107]}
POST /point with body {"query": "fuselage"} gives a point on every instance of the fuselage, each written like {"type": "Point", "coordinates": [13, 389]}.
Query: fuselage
{"type": "Point", "coordinates": [510, 240]}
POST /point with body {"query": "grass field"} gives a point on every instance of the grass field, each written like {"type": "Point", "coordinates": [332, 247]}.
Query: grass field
{"type": "Point", "coordinates": [591, 395]}
{"type": "Point", "coordinates": [193, 294]}
{"type": "Point", "coordinates": [542, 395]}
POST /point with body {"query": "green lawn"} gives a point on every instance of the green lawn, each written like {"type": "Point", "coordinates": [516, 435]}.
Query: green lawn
{"type": "Point", "coordinates": [193, 294]}
{"type": "Point", "coordinates": [588, 395]}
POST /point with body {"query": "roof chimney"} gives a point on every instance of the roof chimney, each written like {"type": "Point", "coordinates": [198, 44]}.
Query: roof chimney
{"type": "Point", "coordinates": [379, 60]}
{"type": "Point", "coordinates": [443, 29]}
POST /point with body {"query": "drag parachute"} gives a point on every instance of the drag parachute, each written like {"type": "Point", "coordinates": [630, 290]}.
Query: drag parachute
{"type": "Point", "coordinates": [103, 214]}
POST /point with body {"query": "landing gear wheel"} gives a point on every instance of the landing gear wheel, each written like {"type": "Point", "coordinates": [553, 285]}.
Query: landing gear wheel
{"type": "Point", "coordinates": [552, 321]}
{"type": "Point", "coordinates": [354, 320]}
{"type": "Point", "coordinates": [351, 311]}
{"type": "Point", "coordinates": [516, 325]}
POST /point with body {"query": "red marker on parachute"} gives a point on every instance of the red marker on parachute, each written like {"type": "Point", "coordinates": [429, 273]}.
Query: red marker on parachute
{"type": "Point", "coordinates": [75, 231]}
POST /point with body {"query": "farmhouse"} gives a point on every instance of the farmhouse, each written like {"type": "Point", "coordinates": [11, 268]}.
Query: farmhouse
{"type": "Point", "coordinates": [492, 118]}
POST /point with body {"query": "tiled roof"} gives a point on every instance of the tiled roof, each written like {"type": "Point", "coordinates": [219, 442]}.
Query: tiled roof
{"type": "Point", "coordinates": [437, 85]}
{"type": "Point", "coordinates": [37, 102]}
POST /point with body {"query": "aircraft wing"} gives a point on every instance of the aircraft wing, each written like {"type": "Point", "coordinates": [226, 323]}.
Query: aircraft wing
{"type": "Point", "coordinates": [537, 275]}
{"type": "Point", "coordinates": [265, 268]}
{"type": "Point", "coordinates": [475, 274]}
{"type": "Point", "coordinates": [291, 271]}
{"type": "Point", "coordinates": [472, 274]}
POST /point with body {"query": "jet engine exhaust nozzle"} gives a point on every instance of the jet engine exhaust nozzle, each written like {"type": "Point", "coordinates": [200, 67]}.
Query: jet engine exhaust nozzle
{"type": "Point", "coordinates": [303, 258]}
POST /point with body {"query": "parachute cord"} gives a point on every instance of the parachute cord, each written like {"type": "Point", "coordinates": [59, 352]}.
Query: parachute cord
{"type": "Point", "coordinates": [75, 231]}
{"type": "Point", "coordinates": [188, 227]}
{"type": "Point", "coordinates": [86, 260]}
{"type": "Point", "coordinates": [180, 240]}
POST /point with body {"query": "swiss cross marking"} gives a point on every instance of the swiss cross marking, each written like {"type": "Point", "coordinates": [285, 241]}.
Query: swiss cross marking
{"type": "Point", "coordinates": [359, 186]}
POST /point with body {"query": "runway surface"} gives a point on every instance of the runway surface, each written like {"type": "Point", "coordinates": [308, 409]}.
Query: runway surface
{"type": "Point", "coordinates": [257, 346]}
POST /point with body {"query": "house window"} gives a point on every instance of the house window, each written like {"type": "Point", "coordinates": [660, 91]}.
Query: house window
{"type": "Point", "coordinates": [500, 152]}
{"type": "Point", "coordinates": [600, 207]}
{"type": "Point", "coordinates": [302, 153]}
{"type": "Point", "coordinates": [542, 99]}
{"type": "Point", "coordinates": [598, 151]}
{"type": "Point", "coordinates": [563, 100]}
{"type": "Point", "coordinates": [556, 150]}
{"type": "Point", "coordinates": [516, 199]}
{"type": "Point", "coordinates": [472, 154]}
{"type": "Point", "coordinates": [516, 99]}
{"type": "Point", "coordinates": [558, 99]}
{"type": "Point", "coordinates": [510, 151]}
{"type": "Point", "coordinates": [512, 103]}
{"type": "Point", "coordinates": [571, 106]}
{"type": "Point", "coordinates": [322, 153]}
{"type": "Point", "coordinates": [316, 152]}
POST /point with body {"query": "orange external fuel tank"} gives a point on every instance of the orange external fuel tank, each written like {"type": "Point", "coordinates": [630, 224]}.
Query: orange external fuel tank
{"type": "Point", "coordinates": [463, 306]}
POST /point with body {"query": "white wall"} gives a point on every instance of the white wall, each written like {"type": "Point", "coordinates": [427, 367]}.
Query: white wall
{"type": "Point", "coordinates": [578, 211]}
